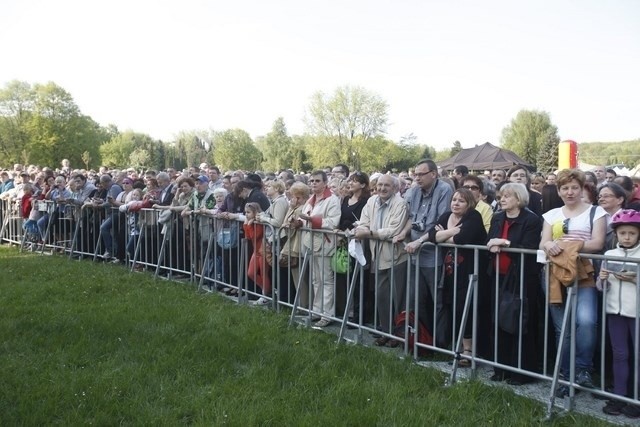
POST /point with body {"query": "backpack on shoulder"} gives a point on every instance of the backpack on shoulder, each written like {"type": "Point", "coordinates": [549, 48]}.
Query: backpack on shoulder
{"type": "Point", "coordinates": [424, 336]}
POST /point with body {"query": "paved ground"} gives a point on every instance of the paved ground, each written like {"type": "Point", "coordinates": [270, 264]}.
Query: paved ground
{"type": "Point", "coordinates": [583, 402]}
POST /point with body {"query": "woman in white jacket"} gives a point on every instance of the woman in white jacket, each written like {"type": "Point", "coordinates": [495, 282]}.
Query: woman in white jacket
{"type": "Point", "coordinates": [619, 279]}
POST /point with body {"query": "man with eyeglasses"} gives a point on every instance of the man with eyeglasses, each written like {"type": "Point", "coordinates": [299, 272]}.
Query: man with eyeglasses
{"type": "Point", "coordinates": [427, 201]}
{"type": "Point", "coordinates": [340, 171]}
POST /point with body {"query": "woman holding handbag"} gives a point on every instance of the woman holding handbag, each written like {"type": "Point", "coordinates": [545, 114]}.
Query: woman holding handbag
{"type": "Point", "coordinates": [515, 226]}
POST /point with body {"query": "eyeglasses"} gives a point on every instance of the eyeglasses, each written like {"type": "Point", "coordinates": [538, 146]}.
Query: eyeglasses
{"type": "Point", "coordinates": [471, 187]}
{"type": "Point", "coordinates": [565, 225]}
{"type": "Point", "coordinates": [422, 173]}
{"type": "Point", "coordinates": [315, 180]}
{"type": "Point", "coordinates": [606, 196]}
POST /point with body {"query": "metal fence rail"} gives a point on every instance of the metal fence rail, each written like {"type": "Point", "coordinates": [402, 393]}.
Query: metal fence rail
{"type": "Point", "coordinates": [215, 255]}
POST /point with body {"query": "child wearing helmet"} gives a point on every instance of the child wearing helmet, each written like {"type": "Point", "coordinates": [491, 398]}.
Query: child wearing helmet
{"type": "Point", "coordinates": [619, 281]}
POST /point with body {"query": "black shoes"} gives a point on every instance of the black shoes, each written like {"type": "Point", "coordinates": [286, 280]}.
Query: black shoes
{"type": "Point", "coordinates": [613, 407]}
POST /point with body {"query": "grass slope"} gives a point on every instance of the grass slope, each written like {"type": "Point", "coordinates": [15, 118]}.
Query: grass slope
{"type": "Point", "coordinates": [85, 343]}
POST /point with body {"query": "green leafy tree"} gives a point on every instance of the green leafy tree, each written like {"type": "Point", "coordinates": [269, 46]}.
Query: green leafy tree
{"type": "Point", "coordinates": [527, 133]}
{"type": "Point", "coordinates": [299, 155]}
{"type": "Point", "coordinates": [428, 152]}
{"type": "Point", "coordinates": [611, 153]}
{"type": "Point", "coordinates": [455, 148]}
{"type": "Point", "coordinates": [548, 154]}
{"type": "Point", "coordinates": [16, 110]}
{"type": "Point", "coordinates": [345, 123]}
{"type": "Point", "coordinates": [59, 130]}
{"type": "Point", "coordinates": [193, 147]}
{"type": "Point", "coordinates": [405, 154]}
{"type": "Point", "coordinates": [278, 147]}
{"type": "Point", "coordinates": [139, 159]}
{"type": "Point", "coordinates": [117, 152]}
{"type": "Point", "coordinates": [441, 155]}
{"type": "Point", "coordinates": [234, 149]}
{"type": "Point", "coordinates": [44, 121]}
{"type": "Point", "coordinates": [86, 159]}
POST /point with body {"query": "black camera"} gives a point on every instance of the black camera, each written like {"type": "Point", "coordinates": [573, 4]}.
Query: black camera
{"type": "Point", "coordinates": [420, 227]}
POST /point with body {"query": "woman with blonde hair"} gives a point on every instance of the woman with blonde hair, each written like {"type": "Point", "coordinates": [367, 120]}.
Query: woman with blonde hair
{"type": "Point", "coordinates": [289, 256]}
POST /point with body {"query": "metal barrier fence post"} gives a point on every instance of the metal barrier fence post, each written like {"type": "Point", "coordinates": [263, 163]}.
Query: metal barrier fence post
{"type": "Point", "coordinates": [352, 286]}
{"type": "Point", "coordinates": [570, 304]}
{"type": "Point", "coordinates": [296, 300]}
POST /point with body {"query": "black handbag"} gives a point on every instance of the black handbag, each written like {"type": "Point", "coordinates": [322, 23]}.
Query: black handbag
{"type": "Point", "coordinates": [510, 304]}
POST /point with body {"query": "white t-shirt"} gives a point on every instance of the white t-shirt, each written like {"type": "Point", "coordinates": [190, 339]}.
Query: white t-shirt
{"type": "Point", "coordinates": [579, 227]}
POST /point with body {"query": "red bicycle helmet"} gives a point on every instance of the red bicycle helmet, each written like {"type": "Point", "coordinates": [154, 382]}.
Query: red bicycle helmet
{"type": "Point", "coordinates": [626, 217]}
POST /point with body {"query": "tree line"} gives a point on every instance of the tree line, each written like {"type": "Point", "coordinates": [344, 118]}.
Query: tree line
{"type": "Point", "coordinates": [41, 124]}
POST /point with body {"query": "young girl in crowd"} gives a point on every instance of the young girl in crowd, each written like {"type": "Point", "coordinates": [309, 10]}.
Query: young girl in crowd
{"type": "Point", "coordinates": [619, 281]}
{"type": "Point", "coordinates": [29, 213]}
{"type": "Point", "coordinates": [257, 270]}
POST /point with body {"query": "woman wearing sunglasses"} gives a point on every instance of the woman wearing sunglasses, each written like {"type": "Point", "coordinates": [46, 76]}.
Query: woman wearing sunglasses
{"type": "Point", "coordinates": [576, 221]}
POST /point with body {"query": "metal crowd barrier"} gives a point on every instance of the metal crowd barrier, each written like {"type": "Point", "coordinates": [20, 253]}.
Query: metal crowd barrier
{"type": "Point", "coordinates": [11, 230]}
{"type": "Point", "coordinates": [212, 255]}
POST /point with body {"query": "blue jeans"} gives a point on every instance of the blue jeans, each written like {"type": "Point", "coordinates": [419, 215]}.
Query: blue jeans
{"type": "Point", "coordinates": [43, 222]}
{"type": "Point", "coordinates": [131, 245]}
{"type": "Point", "coordinates": [586, 335]}
{"type": "Point", "coordinates": [105, 232]}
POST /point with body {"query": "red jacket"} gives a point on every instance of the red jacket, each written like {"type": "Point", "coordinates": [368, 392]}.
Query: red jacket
{"type": "Point", "coordinates": [25, 205]}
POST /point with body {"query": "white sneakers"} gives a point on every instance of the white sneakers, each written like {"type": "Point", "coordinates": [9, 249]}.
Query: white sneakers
{"type": "Point", "coordinates": [322, 323]}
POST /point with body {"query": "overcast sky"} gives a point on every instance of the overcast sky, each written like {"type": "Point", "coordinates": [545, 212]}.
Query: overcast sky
{"type": "Point", "coordinates": [449, 70]}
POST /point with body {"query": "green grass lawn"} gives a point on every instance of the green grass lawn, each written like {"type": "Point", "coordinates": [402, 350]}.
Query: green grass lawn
{"type": "Point", "coordinates": [86, 343]}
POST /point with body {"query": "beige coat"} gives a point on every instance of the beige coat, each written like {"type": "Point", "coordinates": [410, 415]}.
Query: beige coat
{"type": "Point", "coordinates": [384, 253]}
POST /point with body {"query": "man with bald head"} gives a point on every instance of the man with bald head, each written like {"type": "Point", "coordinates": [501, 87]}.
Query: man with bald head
{"type": "Point", "coordinates": [601, 174]}
{"type": "Point", "coordinates": [383, 217]}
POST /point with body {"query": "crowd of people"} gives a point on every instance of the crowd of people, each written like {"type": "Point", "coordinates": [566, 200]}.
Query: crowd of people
{"type": "Point", "coordinates": [419, 229]}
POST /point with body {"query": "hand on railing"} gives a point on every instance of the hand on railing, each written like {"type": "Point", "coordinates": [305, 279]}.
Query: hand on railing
{"type": "Point", "coordinates": [413, 247]}
{"type": "Point", "coordinates": [601, 282]}
{"type": "Point", "coordinates": [495, 245]}
{"type": "Point", "coordinates": [362, 232]}
{"type": "Point", "coordinates": [552, 248]}
{"type": "Point", "coordinates": [399, 237]}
